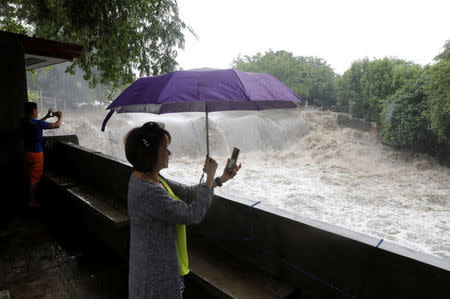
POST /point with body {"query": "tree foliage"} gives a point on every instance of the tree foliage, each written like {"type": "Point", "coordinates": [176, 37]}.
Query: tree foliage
{"type": "Point", "coordinates": [403, 118]}
{"type": "Point", "coordinates": [439, 95]}
{"type": "Point", "coordinates": [119, 36]}
{"type": "Point", "coordinates": [33, 96]}
{"type": "Point", "coordinates": [349, 88]}
{"type": "Point", "coordinates": [55, 82]}
{"type": "Point", "coordinates": [366, 85]}
{"type": "Point", "coordinates": [310, 77]}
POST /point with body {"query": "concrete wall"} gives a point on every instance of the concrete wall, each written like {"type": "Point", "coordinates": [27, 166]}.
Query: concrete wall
{"type": "Point", "coordinates": [336, 255]}
{"type": "Point", "coordinates": [13, 95]}
{"type": "Point", "coordinates": [104, 173]}
{"type": "Point", "coordinates": [346, 120]}
{"type": "Point", "coordinates": [342, 258]}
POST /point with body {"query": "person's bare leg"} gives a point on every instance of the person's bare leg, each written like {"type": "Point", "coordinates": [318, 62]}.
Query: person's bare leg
{"type": "Point", "coordinates": [33, 202]}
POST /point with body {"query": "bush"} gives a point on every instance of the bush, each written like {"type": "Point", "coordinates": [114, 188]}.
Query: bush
{"type": "Point", "coordinates": [33, 96]}
{"type": "Point", "coordinates": [365, 86]}
{"type": "Point", "coordinates": [403, 118]}
{"type": "Point", "coordinates": [438, 91]}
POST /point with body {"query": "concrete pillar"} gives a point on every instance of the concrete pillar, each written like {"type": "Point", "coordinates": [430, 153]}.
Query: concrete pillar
{"type": "Point", "coordinates": [13, 95]}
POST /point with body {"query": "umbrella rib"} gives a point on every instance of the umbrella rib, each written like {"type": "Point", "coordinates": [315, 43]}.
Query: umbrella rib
{"type": "Point", "coordinates": [247, 97]}
{"type": "Point", "coordinates": [164, 87]}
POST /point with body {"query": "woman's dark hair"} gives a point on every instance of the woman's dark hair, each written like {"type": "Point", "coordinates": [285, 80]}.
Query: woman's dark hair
{"type": "Point", "coordinates": [28, 107]}
{"type": "Point", "coordinates": [142, 143]}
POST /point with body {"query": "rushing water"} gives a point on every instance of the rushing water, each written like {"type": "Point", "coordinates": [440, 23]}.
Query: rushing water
{"type": "Point", "coordinates": [304, 162]}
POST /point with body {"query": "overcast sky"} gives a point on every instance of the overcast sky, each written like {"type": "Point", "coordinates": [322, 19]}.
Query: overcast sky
{"type": "Point", "coordinates": [338, 31]}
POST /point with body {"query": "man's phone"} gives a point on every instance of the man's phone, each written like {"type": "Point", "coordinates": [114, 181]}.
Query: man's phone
{"type": "Point", "coordinates": [233, 159]}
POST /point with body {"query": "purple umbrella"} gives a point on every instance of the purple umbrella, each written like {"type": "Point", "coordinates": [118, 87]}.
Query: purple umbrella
{"type": "Point", "coordinates": [204, 90]}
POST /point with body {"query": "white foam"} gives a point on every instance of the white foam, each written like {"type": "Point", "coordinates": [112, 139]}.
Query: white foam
{"type": "Point", "coordinates": [304, 162]}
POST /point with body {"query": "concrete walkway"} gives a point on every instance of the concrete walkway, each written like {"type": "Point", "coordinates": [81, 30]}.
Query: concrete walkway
{"type": "Point", "coordinates": [37, 261]}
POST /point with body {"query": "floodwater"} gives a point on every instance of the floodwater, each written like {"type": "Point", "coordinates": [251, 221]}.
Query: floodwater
{"type": "Point", "coordinates": [304, 162]}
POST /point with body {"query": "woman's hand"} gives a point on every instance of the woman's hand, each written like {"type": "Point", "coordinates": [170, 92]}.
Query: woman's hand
{"type": "Point", "coordinates": [226, 176]}
{"type": "Point", "coordinates": [210, 168]}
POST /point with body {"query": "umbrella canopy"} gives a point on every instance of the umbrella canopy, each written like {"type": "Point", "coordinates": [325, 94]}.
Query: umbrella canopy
{"type": "Point", "coordinates": [204, 90]}
{"type": "Point", "coordinates": [186, 91]}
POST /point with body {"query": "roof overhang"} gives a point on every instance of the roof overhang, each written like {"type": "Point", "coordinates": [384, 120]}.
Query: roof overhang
{"type": "Point", "coordinates": [35, 61]}
{"type": "Point", "coordinates": [41, 52]}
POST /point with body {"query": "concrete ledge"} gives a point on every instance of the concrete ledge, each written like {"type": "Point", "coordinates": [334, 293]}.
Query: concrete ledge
{"type": "Point", "coordinates": [99, 204]}
{"type": "Point", "coordinates": [60, 180]}
{"type": "Point", "coordinates": [342, 258]}
{"type": "Point", "coordinates": [102, 173]}
{"type": "Point", "coordinates": [49, 141]}
{"type": "Point", "coordinates": [283, 243]}
{"type": "Point", "coordinates": [357, 123]}
{"type": "Point", "coordinates": [232, 277]}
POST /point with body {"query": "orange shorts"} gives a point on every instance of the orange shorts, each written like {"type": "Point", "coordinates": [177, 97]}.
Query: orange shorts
{"type": "Point", "coordinates": [34, 166]}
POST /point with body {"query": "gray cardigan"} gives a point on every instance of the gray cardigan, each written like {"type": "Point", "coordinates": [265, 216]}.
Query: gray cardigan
{"type": "Point", "coordinates": [154, 271]}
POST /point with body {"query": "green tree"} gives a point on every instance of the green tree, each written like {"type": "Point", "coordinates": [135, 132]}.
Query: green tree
{"type": "Point", "coordinates": [57, 83]}
{"type": "Point", "coordinates": [118, 36]}
{"type": "Point", "coordinates": [439, 95]}
{"type": "Point", "coordinates": [32, 96]}
{"type": "Point", "coordinates": [403, 118]}
{"type": "Point", "coordinates": [309, 77]}
{"type": "Point", "coordinates": [366, 85]}
{"type": "Point", "coordinates": [381, 78]}
{"type": "Point", "coordinates": [322, 77]}
{"type": "Point", "coordinates": [349, 89]}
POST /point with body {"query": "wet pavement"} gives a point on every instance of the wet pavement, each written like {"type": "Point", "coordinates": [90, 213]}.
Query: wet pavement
{"type": "Point", "coordinates": [39, 260]}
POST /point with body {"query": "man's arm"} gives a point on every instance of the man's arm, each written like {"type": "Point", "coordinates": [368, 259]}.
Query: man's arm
{"type": "Point", "coordinates": [57, 123]}
{"type": "Point", "coordinates": [47, 115]}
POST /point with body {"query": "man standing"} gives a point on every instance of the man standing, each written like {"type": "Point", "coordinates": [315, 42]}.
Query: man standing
{"type": "Point", "coordinates": [34, 156]}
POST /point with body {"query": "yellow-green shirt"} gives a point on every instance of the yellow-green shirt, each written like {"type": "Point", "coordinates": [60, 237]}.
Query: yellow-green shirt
{"type": "Point", "coordinates": [180, 236]}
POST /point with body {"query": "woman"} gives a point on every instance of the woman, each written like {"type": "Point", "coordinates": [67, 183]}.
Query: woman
{"type": "Point", "coordinates": [159, 209]}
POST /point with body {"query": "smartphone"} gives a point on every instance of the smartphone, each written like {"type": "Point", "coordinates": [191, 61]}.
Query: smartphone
{"type": "Point", "coordinates": [233, 159]}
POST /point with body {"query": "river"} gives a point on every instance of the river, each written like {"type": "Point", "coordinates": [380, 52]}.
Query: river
{"type": "Point", "coordinates": [304, 162]}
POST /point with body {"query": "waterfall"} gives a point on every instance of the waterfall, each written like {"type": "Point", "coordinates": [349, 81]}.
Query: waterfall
{"type": "Point", "coordinates": [304, 162]}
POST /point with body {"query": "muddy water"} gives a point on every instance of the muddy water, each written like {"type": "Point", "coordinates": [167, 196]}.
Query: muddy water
{"type": "Point", "coordinates": [302, 161]}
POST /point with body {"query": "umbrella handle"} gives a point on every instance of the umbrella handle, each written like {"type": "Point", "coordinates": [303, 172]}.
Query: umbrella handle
{"type": "Point", "coordinates": [207, 129]}
{"type": "Point", "coordinates": [207, 138]}
{"type": "Point", "coordinates": [108, 116]}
